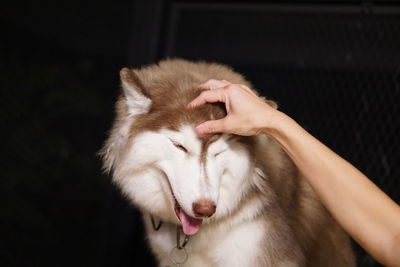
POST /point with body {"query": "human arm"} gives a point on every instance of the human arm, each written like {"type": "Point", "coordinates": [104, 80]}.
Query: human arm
{"type": "Point", "coordinates": [358, 205]}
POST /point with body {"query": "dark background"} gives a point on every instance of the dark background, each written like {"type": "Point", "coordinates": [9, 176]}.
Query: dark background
{"type": "Point", "coordinates": [334, 66]}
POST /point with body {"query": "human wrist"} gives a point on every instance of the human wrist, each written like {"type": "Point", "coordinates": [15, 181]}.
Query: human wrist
{"type": "Point", "coordinates": [275, 124]}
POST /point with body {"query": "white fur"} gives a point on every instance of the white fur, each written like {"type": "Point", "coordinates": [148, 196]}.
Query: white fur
{"type": "Point", "coordinates": [153, 166]}
{"type": "Point", "coordinates": [239, 246]}
{"type": "Point", "coordinates": [136, 102]}
{"type": "Point", "coordinates": [115, 148]}
{"type": "Point", "coordinates": [153, 161]}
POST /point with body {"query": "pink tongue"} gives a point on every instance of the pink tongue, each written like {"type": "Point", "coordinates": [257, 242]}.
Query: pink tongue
{"type": "Point", "coordinates": [190, 225]}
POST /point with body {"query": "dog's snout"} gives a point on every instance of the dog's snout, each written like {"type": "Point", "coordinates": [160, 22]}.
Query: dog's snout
{"type": "Point", "coordinates": [204, 208]}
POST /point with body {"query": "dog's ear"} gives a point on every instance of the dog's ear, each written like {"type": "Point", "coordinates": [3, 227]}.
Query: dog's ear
{"type": "Point", "coordinates": [137, 99]}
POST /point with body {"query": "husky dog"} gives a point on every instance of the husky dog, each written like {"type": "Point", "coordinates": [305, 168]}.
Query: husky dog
{"type": "Point", "coordinates": [220, 200]}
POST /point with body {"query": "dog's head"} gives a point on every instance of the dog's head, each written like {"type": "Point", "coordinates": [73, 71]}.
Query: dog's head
{"type": "Point", "coordinates": [157, 159]}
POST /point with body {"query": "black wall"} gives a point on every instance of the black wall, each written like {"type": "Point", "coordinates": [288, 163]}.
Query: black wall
{"type": "Point", "coordinates": [59, 66]}
{"type": "Point", "coordinates": [334, 66]}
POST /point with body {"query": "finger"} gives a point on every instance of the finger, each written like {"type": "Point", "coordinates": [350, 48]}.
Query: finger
{"type": "Point", "coordinates": [210, 127]}
{"type": "Point", "coordinates": [226, 82]}
{"type": "Point", "coordinates": [209, 96]}
{"type": "Point", "coordinates": [247, 89]}
{"type": "Point", "coordinates": [213, 84]}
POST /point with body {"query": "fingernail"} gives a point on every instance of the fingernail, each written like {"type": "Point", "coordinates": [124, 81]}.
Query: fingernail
{"type": "Point", "coordinates": [198, 131]}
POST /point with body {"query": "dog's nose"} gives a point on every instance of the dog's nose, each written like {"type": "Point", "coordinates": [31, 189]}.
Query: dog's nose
{"type": "Point", "coordinates": [204, 208]}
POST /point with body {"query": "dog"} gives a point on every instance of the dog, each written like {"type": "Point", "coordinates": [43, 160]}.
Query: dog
{"type": "Point", "coordinates": [219, 200]}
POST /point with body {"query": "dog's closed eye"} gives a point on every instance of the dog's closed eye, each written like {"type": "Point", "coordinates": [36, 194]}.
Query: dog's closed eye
{"type": "Point", "coordinates": [179, 146]}
{"type": "Point", "coordinates": [219, 153]}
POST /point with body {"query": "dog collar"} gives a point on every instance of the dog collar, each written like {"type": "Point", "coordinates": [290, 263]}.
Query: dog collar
{"type": "Point", "coordinates": [178, 254]}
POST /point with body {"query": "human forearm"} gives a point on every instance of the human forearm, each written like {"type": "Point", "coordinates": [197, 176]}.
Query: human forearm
{"type": "Point", "coordinates": [362, 209]}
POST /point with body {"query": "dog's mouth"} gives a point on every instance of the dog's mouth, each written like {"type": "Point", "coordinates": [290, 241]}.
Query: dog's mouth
{"type": "Point", "coordinates": [190, 225]}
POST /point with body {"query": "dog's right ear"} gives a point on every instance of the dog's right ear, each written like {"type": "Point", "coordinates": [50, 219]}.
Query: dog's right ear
{"type": "Point", "coordinates": [137, 99]}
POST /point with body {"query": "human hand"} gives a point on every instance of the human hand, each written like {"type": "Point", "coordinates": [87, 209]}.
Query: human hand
{"type": "Point", "coordinates": [247, 113]}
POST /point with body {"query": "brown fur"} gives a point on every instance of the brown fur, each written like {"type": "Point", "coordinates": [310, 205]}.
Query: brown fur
{"type": "Point", "coordinates": [290, 204]}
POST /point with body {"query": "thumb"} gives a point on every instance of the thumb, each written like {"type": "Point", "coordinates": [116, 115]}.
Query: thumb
{"type": "Point", "coordinates": [210, 127]}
